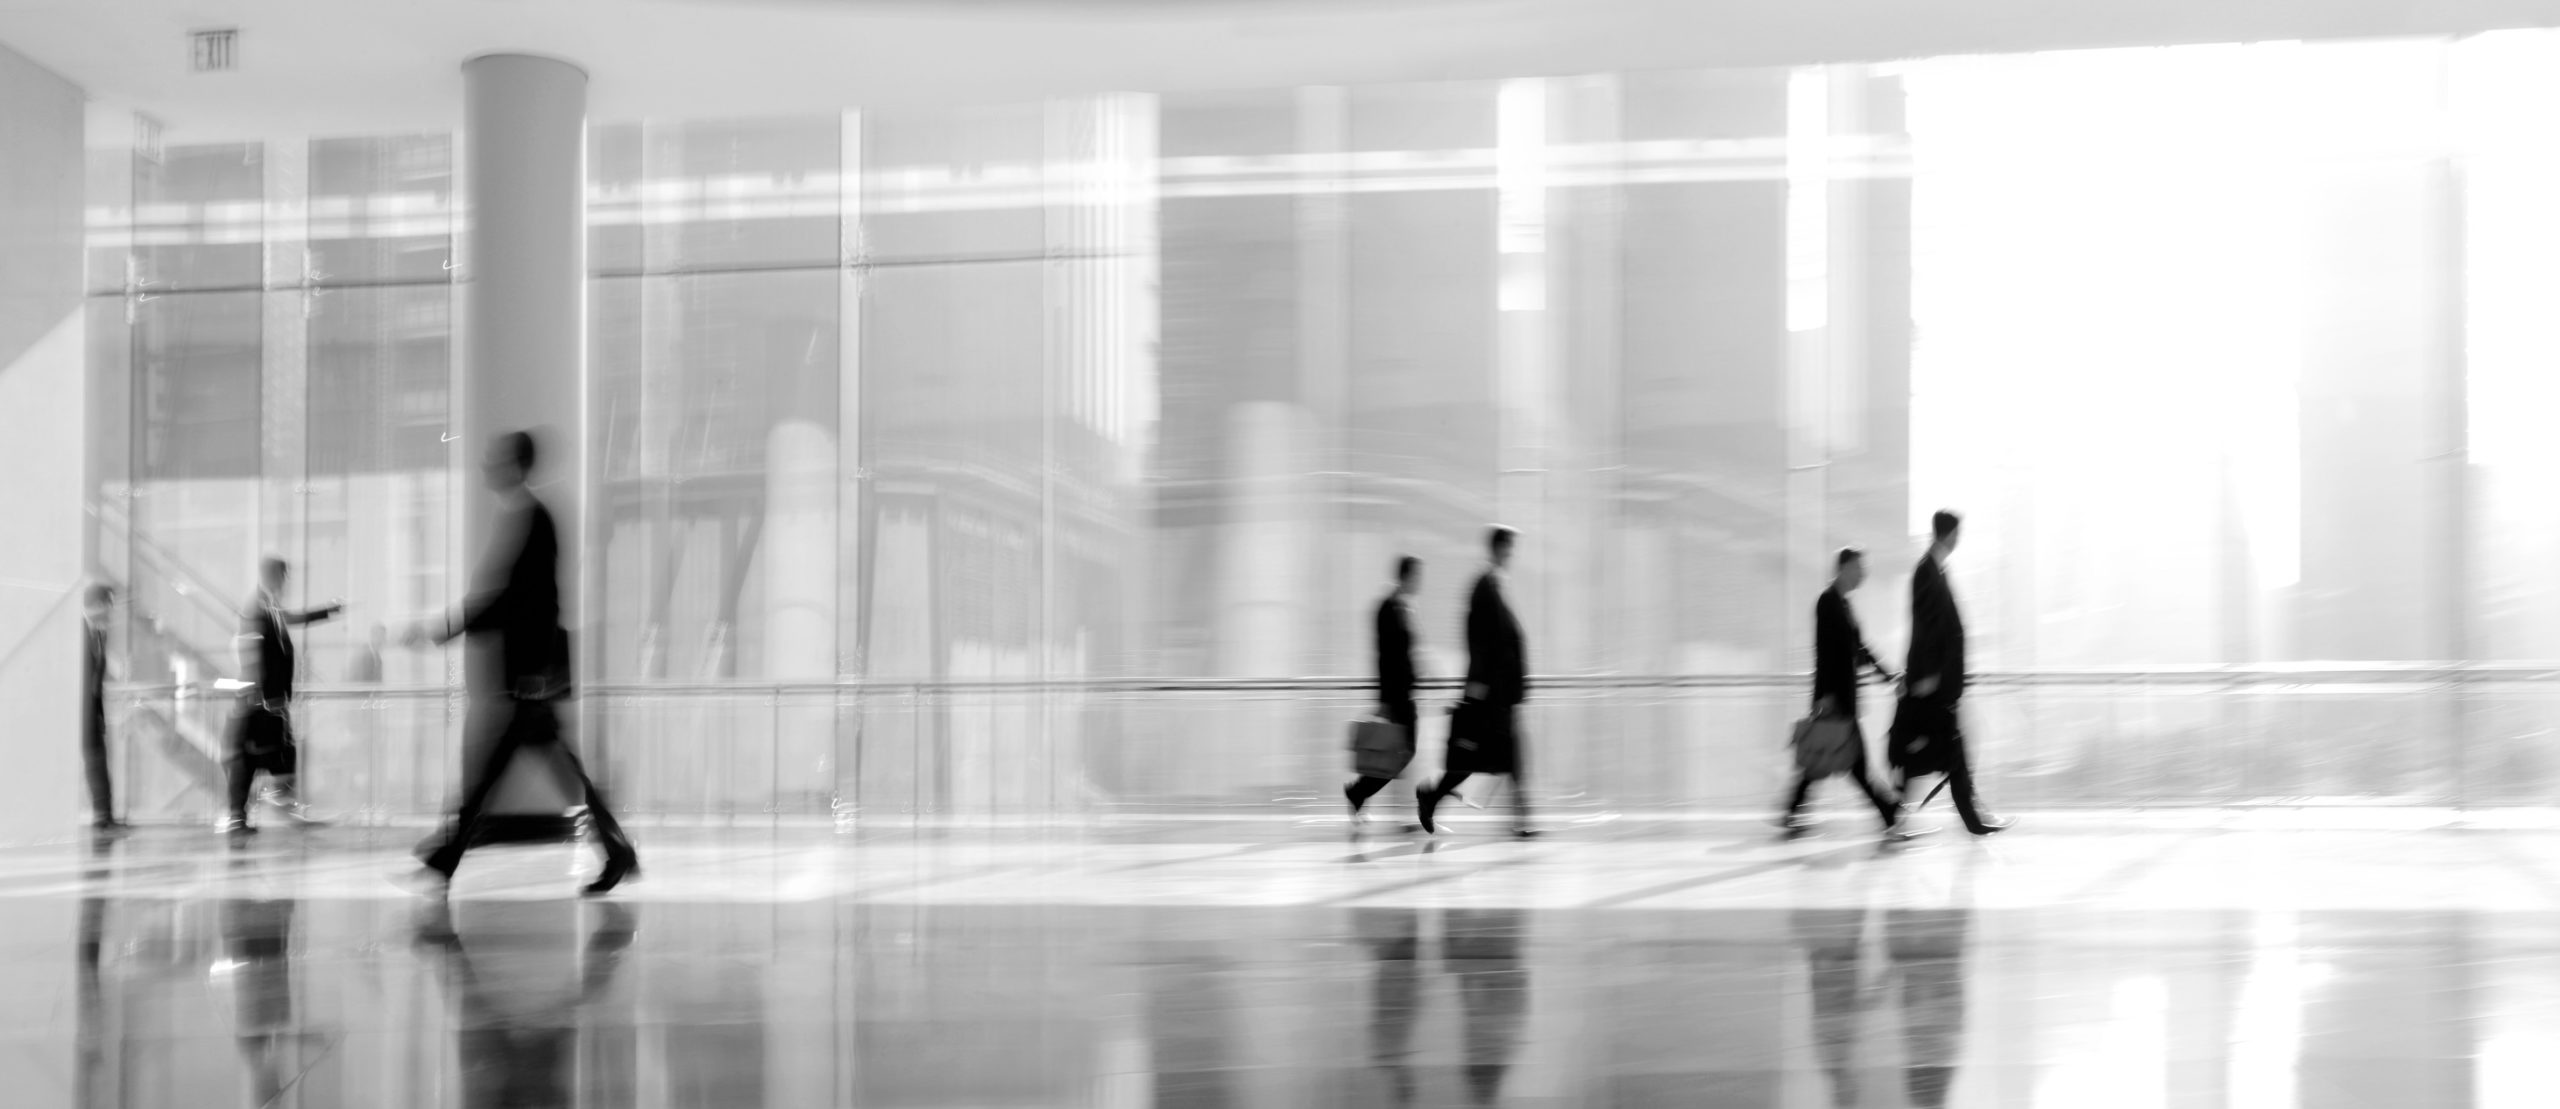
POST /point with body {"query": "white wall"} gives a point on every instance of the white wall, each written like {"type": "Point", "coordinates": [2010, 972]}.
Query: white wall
{"type": "Point", "coordinates": [43, 456]}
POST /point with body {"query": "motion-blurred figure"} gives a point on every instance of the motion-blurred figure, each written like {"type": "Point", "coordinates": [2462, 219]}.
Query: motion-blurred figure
{"type": "Point", "coordinates": [100, 601]}
{"type": "Point", "coordinates": [1838, 652]}
{"type": "Point", "coordinates": [523, 677]}
{"type": "Point", "coordinates": [1484, 730]}
{"type": "Point", "coordinates": [262, 725]}
{"type": "Point", "coordinates": [367, 667]}
{"type": "Point", "coordinates": [1928, 736]}
{"type": "Point", "coordinates": [1396, 671]}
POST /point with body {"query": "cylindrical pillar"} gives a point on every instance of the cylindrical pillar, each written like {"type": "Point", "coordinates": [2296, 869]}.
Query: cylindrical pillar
{"type": "Point", "coordinates": [524, 366]}
{"type": "Point", "coordinates": [525, 286]}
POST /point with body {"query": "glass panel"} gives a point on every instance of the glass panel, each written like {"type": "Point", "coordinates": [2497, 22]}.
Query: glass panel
{"type": "Point", "coordinates": [381, 209]}
{"type": "Point", "coordinates": [670, 197]}
{"type": "Point", "coordinates": [953, 184]}
{"type": "Point", "coordinates": [200, 219]}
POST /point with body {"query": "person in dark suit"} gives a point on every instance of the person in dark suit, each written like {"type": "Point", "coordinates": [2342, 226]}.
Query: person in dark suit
{"type": "Point", "coordinates": [100, 601]}
{"type": "Point", "coordinates": [262, 724]}
{"type": "Point", "coordinates": [1484, 732]}
{"type": "Point", "coordinates": [519, 676]}
{"type": "Point", "coordinates": [1396, 669]}
{"type": "Point", "coordinates": [1838, 652]}
{"type": "Point", "coordinates": [1934, 671]}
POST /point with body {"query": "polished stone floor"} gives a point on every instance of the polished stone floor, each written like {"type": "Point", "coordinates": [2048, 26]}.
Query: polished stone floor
{"type": "Point", "coordinates": [2089, 960]}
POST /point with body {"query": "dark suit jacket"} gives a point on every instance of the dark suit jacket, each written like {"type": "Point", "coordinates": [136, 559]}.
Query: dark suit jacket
{"type": "Point", "coordinates": [1497, 653]}
{"type": "Point", "coordinates": [93, 683]}
{"type": "Point", "coordinates": [1396, 671]}
{"type": "Point", "coordinates": [514, 608]}
{"type": "Point", "coordinates": [1838, 651]}
{"type": "Point", "coordinates": [272, 628]}
{"type": "Point", "coordinates": [1937, 633]}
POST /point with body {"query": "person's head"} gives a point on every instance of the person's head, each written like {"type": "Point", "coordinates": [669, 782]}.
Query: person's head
{"type": "Point", "coordinates": [509, 461]}
{"type": "Point", "coordinates": [271, 574]}
{"type": "Point", "coordinates": [1944, 529]}
{"type": "Point", "coordinates": [1408, 576]}
{"type": "Point", "coordinates": [1849, 569]}
{"type": "Point", "coordinates": [101, 598]}
{"type": "Point", "coordinates": [1498, 543]}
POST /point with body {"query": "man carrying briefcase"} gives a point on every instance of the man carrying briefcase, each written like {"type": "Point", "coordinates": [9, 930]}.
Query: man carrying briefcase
{"type": "Point", "coordinates": [1829, 742]}
{"type": "Point", "coordinates": [1382, 746]}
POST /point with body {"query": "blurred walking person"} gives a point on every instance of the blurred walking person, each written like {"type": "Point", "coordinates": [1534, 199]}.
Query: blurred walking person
{"type": "Point", "coordinates": [1396, 674]}
{"type": "Point", "coordinates": [101, 600]}
{"type": "Point", "coordinates": [366, 667]}
{"type": "Point", "coordinates": [262, 725]}
{"type": "Point", "coordinates": [1928, 735]}
{"type": "Point", "coordinates": [520, 672]}
{"type": "Point", "coordinates": [1838, 653]}
{"type": "Point", "coordinates": [1484, 729]}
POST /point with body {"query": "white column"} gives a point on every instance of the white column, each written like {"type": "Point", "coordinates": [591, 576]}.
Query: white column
{"type": "Point", "coordinates": [525, 287]}
{"type": "Point", "coordinates": [43, 441]}
{"type": "Point", "coordinates": [524, 321]}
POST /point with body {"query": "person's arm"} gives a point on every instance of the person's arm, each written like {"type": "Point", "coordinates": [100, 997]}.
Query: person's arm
{"type": "Point", "coordinates": [1859, 651]}
{"type": "Point", "coordinates": [1928, 636]}
{"type": "Point", "coordinates": [1478, 640]}
{"type": "Point", "coordinates": [1519, 652]}
{"type": "Point", "coordinates": [1383, 635]}
{"type": "Point", "coordinates": [311, 615]}
{"type": "Point", "coordinates": [1826, 633]}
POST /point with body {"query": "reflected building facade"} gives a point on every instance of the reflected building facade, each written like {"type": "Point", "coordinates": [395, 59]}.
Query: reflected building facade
{"type": "Point", "coordinates": [944, 462]}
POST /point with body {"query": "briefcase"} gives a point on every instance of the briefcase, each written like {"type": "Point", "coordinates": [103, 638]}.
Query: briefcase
{"type": "Point", "coordinates": [1918, 741]}
{"type": "Point", "coordinates": [1380, 748]}
{"type": "Point", "coordinates": [1827, 745]}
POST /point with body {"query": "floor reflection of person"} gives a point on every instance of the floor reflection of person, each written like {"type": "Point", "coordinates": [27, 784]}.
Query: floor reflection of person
{"type": "Point", "coordinates": [516, 1037]}
{"type": "Point", "coordinates": [257, 937]}
{"type": "Point", "coordinates": [93, 1080]}
{"type": "Point", "coordinates": [1394, 939]}
{"type": "Point", "coordinates": [1834, 943]}
{"type": "Point", "coordinates": [1482, 948]}
{"type": "Point", "coordinates": [1927, 949]}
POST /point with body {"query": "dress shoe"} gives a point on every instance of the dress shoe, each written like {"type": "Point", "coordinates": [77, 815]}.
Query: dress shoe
{"type": "Point", "coordinates": [615, 870]}
{"type": "Point", "coordinates": [1991, 826]}
{"type": "Point", "coordinates": [236, 826]}
{"type": "Point", "coordinates": [1427, 806]}
{"type": "Point", "coordinates": [1526, 833]}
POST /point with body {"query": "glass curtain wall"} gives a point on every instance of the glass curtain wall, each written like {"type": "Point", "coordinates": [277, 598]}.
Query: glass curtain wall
{"type": "Point", "coordinates": [1026, 460]}
{"type": "Point", "coordinates": [270, 331]}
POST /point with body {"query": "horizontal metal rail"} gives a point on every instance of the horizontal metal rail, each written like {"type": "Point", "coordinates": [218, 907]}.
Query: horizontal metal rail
{"type": "Point", "coordinates": [2412, 675]}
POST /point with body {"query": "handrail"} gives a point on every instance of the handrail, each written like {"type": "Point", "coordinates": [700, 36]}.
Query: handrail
{"type": "Point", "coordinates": [2401, 674]}
{"type": "Point", "coordinates": [210, 601]}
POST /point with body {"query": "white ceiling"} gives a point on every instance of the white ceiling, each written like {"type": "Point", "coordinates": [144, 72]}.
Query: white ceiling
{"type": "Point", "coordinates": [321, 67]}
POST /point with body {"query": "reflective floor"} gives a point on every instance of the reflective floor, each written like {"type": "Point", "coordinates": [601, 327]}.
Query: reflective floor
{"type": "Point", "coordinates": [2091, 960]}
